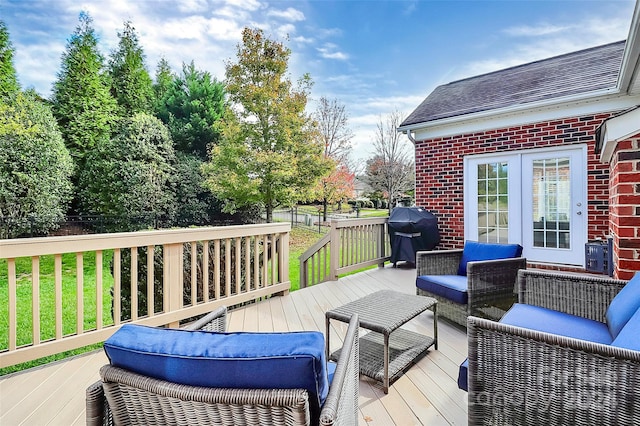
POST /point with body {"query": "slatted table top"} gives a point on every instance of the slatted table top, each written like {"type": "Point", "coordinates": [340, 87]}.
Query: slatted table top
{"type": "Point", "coordinates": [383, 311]}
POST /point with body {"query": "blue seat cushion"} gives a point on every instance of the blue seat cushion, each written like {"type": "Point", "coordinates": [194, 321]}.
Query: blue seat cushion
{"type": "Point", "coordinates": [294, 360]}
{"type": "Point", "coordinates": [451, 287]}
{"type": "Point", "coordinates": [474, 251]}
{"type": "Point", "coordinates": [629, 336]}
{"type": "Point", "coordinates": [554, 322]}
{"type": "Point", "coordinates": [463, 375]}
{"type": "Point", "coordinates": [623, 306]}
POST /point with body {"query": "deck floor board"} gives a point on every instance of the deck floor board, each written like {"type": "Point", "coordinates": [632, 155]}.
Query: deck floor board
{"type": "Point", "coordinates": [426, 394]}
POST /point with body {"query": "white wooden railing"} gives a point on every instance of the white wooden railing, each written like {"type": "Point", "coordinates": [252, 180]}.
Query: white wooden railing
{"type": "Point", "coordinates": [351, 244]}
{"type": "Point", "coordinates": [201, 269]}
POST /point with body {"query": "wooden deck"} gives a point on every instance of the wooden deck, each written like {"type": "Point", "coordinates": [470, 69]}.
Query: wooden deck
{"type": "Point", "coordinates": [426, 394]}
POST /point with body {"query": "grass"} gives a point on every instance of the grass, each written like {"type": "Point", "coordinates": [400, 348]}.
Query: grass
{"type": "Point", "coordinates": [300, 240]}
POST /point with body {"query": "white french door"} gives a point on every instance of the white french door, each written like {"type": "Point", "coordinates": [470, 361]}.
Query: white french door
{"type": "Point", "coordinates": [536, 198]}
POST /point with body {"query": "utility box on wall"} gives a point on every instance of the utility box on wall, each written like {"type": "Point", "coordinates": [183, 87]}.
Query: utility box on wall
{"type": "Point", "coordinates": [599, 256]}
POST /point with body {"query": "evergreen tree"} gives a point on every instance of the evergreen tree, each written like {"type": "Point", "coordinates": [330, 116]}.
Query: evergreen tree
{"type": "Point", "coordinates": [164, 80]}
{"type": "Point", "coordinates": [9, 85]}
{"type": "Point", "coordinates": [190, 107]}
{"type": "Point", "coordinates": [131, 85]}
{"type": "Point", "coordinates": [82, 103]}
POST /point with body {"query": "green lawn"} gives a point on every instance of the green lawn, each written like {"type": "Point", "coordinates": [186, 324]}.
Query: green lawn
{"type": "Point", "coordinates": [300, 240]}
{"type": "Point", "coordinates": [47, 301]}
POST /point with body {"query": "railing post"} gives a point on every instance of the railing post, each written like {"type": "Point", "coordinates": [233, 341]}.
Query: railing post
{"type": "Point", "coordinates": [303, 273]}
{"type": "Point", "coordinates": [172, 286]}
{"type": "Point", "coordinates": [381, 244]}
{"type": "Point", "coordinates": [334, 249]}
{"type": "Point", "coordinates": [283, 261]}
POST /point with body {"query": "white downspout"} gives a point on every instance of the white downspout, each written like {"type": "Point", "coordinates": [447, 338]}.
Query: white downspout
{"type": "Point", "coordinates": [415, 164]}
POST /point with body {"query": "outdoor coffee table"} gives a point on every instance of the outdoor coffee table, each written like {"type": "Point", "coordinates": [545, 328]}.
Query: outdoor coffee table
{"type": "Point", "coordinates": [389, 350]}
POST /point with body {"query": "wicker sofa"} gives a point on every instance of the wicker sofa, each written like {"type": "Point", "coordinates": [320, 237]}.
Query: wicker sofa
{"type": "Point", "coordinates": [477, 280]}
{"type": "Point", "coordinates": [127, 397]}
{"type": "Point", "coordinates": [554, 366]}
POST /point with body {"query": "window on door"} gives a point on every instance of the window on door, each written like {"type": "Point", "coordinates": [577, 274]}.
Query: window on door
{"type": "Point", "coordinates": [493, 202]}
{"type": "Point", "coordinates": [551, 196]}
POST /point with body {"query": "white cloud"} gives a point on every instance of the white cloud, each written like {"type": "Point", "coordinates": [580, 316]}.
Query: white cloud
{"type": "Point", "coordinates": [289, 14]}
{"type": "Point", "coordinates": [330, 51]}
{"type": "Point", "coordinates": [192, 6]}
{"type": "Point", "coordinates": [534, 31]}
{"type": "Point", "coordinates": [303, 40]}
{"type": "Point", "coordinates": [328, 32]}
{"type": "Point", "coordinates": [556, 41]}
{"type": "Point", "coordinates": [32, 60]}
{"type": "Point", "coordinates": [250, 5]}
{"type": "Point", "coordinates": [284, 31]}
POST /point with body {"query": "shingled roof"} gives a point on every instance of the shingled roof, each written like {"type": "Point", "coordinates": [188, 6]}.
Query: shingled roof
{"type": "Point", "coordinates": [570, 74]}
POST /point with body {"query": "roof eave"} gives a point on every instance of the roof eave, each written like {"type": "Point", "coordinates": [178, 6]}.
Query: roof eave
{"type": "Point", "coordinates": [513, 109]}
{"type": "Point", "coordinates": [617, 129]}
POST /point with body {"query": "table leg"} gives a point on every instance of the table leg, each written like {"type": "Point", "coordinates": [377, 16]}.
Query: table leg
{"type": "Point", "coordinates": [435, 326]}
{"type": "Point", "coordinates": [327, 336]}
{"type": "Point", "coordinates": [386, 363]}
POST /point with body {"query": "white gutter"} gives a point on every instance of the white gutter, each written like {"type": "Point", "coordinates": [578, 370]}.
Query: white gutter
{"type": "Point", "coordinates": [631, 60]}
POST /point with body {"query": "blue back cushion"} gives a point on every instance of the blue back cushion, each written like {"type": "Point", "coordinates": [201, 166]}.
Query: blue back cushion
{"type": "Point", "coordinates": [623, 306]}
{"type": "Point", "coordinates": [629, 336]}
{"type": "Point", "coordinates": [474, 251]}
{"type": "Point", "coordinates": [293, 360]}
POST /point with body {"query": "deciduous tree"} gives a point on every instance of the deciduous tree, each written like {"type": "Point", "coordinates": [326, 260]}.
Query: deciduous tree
{"type": "Point", "coordinates": [270, 152]}
{"type": "Point", "coordinates": [335, 134]}
{"type": "Point", "coordinates": [131, 84]}
{"type": "Point", "coordinates": [391, 169]}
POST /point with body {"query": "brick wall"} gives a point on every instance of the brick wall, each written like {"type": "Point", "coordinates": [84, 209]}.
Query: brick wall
{"type": "Point", "coordinates": [624, 201]}
{"type": "Point", "coordinates": [439, 169]}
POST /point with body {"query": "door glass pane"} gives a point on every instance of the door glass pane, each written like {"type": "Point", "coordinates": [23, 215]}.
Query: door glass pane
{"type": "Point", "coordinates": [493, 202]}
{"type": "Point", "coordinates": [551, 203]}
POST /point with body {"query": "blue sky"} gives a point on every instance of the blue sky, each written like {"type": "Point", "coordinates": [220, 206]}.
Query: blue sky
{"type": "Point", "coordinates": [373, 56]}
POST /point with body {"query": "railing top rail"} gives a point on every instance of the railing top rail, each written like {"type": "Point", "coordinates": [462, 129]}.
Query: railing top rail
{"type": "Point", "coordinates": [78, 243]}
{"type": "Point", "coordinates": [314, 248]}
{"type": "Point", "coordinates": [347, 223]}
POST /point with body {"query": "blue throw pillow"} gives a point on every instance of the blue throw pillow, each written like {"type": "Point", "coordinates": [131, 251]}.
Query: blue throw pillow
{"type": "Point", "coordinates": [294, 360]}
{"type": "Point", "coordinates": [474, 251]}
{"type": "Point", "coordinates": [623, 306]}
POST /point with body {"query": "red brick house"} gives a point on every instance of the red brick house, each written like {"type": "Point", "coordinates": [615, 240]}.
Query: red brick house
{"type": "Point", "coordinates": [545, 154]}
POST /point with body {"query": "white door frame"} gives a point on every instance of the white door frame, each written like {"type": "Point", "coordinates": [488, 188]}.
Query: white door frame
{"type": "Point", "coordinates": [520, 208]}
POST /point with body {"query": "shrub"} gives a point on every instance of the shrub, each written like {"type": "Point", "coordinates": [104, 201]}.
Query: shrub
{"type": "Point", "coordinates": [132, 175]}
{"type": "Point", "coordinates": [35, 177]}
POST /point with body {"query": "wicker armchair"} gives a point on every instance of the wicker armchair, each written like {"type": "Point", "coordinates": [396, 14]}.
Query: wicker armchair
{"type": "Point", "coordinates": [124, 397]}
{"type": "Point", "coordinates": [490, 284]}
{"type": "Point", "coordinates": [521, 376]}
